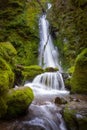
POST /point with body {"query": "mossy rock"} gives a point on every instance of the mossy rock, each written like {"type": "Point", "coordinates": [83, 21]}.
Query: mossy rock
{"type": "Point", "coordinates": [79, 2]}
{"type": "Point", "coordinates": [50, 69]}
{"type": "Point", "coordinates": [30, 72]}
{"type": "Point", "coordinates": [6, 77]}
{"type": "Point", "coordinates": [4, 82]}
{"type": "Point", "coordinates": [75, 115]}
{"type": "Point", "coordinates": [3, 107]}
{"type": "Point", "coordinates": [67, 83]}
{"type": "Point", "coordinates": [71, 70]}
{"type": "Point", "coordinates": [18, 101]}
{"type": "Point", "coordinates": [69, 117]}
{"type": "Point", "coordinates": [79, 78]}
{"type": "Point", "coordinates": [8, 52]}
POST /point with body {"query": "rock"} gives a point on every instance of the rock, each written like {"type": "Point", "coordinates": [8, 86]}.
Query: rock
{"type": "Point", "coordinates": [60, 101]}
{"type": "Point", "coordinates": [75, 115]}
{"type": "Point", "coordinates": [3, 107]}
{"type": "Point", "coordinates": [6, 77]}
{"type": "Point", "coordinates": [51, 69]}
{"type": "Point", "coordinates": [67, 83]}
{"type": "Point", "coordinates": [18, 101]}
{"type": "Point", "coordinates": [30, 72]}
{"type": "Point", "coordinates": [8, 52]}
{"type": "Point", "coordinates": [79, 77]}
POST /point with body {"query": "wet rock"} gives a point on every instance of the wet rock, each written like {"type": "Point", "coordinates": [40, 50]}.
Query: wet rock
{"type": "Point", "coordinates": [60, 101]}
{"type": "Point", "coordinates": [51, 69]}
{"type": "Point", "coordinates": [75, 115]}
{"type": "Point", "coordinates": [18, 101]}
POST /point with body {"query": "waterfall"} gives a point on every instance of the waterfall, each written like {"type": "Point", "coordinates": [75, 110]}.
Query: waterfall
{"type": "Point", "coordinates": [48, 57]}
{"type": "Point", "coordinates": [46, 86]}
{"type": "Point", "coordinates": [48, 53]}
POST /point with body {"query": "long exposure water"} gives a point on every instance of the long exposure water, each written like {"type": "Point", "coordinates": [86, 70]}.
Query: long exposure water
{"type": "Point", "coordinates": [47, 86]}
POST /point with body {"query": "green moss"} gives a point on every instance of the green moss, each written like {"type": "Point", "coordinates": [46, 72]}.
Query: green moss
{"type": "Point", "coordinates": [20, 27]}
{"type": "Point", "coordinates": [79, 2]}
{"type": "Point", "coordinates": [50, 69]}
{"type": "Point", "coordinates": [71, 69]}
{"type": "Point", "coordinates": [18, 101]}
{"type": "Point", "coordinates": [79, 80]}
{"type": "Point", "coordinates": [67, 83]}
{"type": "Point", "coordinates": [3, 108]}
{"type": "Point", "coordinates": [6, 76]}
{"type": "Point", "coordinates": [69, 28]}
{"type": "Point", "coordinates": [7, 52]}
{"type": "Point", "coordinates": [4, 82]}
{"type": "Point", "coordinates": [30, 72]}
{"type": "Point", "coordinates": [75, 116]}
{"type": "Point", "coordinates": [69, 117]}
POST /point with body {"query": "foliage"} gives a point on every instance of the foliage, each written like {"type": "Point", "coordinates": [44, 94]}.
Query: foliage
{"type": "Point", "coordinates": [79, 80]}
{"type": "Point", "coordinates": [8, 52]}
{"type": "Point", "coordinates": [6, 76]}
{"type": "Point", "coordinates": [68, 26]}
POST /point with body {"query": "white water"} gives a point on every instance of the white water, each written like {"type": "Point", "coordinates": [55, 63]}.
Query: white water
{"type": "Point", "coordinates": [48, 54]}
{"type": "Point", "coordinates": [47, 86]}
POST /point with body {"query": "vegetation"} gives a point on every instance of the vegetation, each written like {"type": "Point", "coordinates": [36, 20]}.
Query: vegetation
{"type": "Point", "coordinates": [74, 116]}
{"type": "Point", "coordinates": [68, 25]}
{"type": "Point", "coordinates": [79, 80]}
{"type": "Point", "coordinates": [30, 72]}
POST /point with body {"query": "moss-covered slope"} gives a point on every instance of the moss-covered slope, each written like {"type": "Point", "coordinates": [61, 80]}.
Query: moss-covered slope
{"type": "Point", "coordinates": [79, 78]}
{"type": "Point", "coordinates": [69, 27]}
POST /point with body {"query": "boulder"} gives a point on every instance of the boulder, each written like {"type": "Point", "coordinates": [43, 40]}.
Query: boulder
{"type": "Point", "coordinates": [18, 101]}
{"type": "Point", "coordinates": [30, 72]}
{"type": "Point", "coordinates": [75, 115]}
{"type": "Point", "coordinates": [60, 101]}
{"type": "Point", "coordinates": [6, 76]}
{"type": "Point", "coordinates": [79, 77]}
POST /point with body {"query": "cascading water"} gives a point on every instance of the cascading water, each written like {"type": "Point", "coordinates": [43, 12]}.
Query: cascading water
{"type": "Point", "coordinates": [46, 86]}
{"type": "Point", "coordinates": [48, 56]}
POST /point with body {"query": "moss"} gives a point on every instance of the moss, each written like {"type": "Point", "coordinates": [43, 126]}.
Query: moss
{"type": "Point", "coordinates": [68, 83]}
{"type": "Point", "coordinates": [75, 115]}
{"type": "Point", "coordinates": [71, 69]}
{"type": "Point", "coordinates": [50, 69]}
{"type": "Point", "coordinates": [30, 72]}
{"type": "Point", "coordinates": [7, 52]}
{"type": "Point", "coordinates": [6, 76]}
{"type": "Point", "coordinates": [18, 101]}
{"type": "Point", "coordinates": [3, 107]}
{"type": "Point", "coordinates": [79, 3]}
{"type": "Point", "coordinates": [69, 28]}
{"type": "Point", "coordinates": [16, 28]}
{"type": "Point", "coordinates": [79, 80]}
{"type": "Point", "coordinates": [4, 82]}
{"type": "Point", "coordinates": [82, 122]}
{"type": "Point", "coordinates": [69, 117]}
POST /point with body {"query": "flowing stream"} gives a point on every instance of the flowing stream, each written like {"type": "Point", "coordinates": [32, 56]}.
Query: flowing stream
{"type": "Point", "coordinates": [44, 114]}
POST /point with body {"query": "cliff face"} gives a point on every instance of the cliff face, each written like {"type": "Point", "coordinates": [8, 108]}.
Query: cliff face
{"type": "Point", "coordinates": [19, 25]}
{"type": "Point", "coordinates": [69, 27]}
